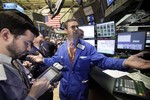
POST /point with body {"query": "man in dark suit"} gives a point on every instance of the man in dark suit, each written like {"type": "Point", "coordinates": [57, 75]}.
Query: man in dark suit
{"type": "Point", "coordinates": [40, 47]}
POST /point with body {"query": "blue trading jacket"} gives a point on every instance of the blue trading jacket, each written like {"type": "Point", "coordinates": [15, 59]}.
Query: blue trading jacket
{"type": "Point", "coordinates": [74, 85]}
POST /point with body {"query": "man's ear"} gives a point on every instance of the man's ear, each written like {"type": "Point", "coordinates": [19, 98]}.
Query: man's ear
{"type": "Point", "coordinates": [5, 34]}
{"type": "Point", "coordinates": [65, 30]}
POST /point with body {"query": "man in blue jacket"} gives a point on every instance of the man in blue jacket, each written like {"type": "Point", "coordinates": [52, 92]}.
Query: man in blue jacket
{"type": "Point", "coordinates": [77, 60]}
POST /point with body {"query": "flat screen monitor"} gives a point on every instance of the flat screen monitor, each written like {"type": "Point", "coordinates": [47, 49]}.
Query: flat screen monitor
{"type": "Point", "coordinates": [42, 30]}
{"type": "Point", "coordinates": [89, 31]}
{"type": "Point", "coordinates": [106, 46]}
{"type": "Point", "coordinates": [106, 29]}
{"type": "Point", "coordinates": [79, 2]}
{"type": "Point", "coordinates": [91, 42]}
{"type": "Point", "coordinates": [148, 38]}
{"type": "Point", "coordinates": [58, 6]}
{"type": "Point", "coordinates": [131, 41]}
{"type": "Point", "coordinates": [109, 2]}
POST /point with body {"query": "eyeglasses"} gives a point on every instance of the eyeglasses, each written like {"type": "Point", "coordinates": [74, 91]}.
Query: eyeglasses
{"type": "Point", "coordinates": [29, 43]}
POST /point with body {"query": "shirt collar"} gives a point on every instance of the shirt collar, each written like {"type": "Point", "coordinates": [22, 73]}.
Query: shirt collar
{"type": "Point", "coordinates": [5, 59]}
{"type": "Point", "coordinates": [75, 42]}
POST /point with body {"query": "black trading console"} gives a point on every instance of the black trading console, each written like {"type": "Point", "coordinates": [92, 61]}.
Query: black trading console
{"type": "Point", "coordinates": [105, 87]}
{"type": "Point", "coordinates": [131, 88]}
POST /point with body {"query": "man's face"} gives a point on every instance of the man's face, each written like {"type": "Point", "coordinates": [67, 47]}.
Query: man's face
{"type": "Point", "coordinates": [39, 39]}
{"type": "Point", "coordinates": [20, 45]}
{"type": "Point", "coordinates": [72, 29]}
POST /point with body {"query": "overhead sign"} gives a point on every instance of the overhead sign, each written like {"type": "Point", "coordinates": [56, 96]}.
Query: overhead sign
{"type": "Point", "coordinates": [12, 6]}
{"type": "Point", "coordinates": [88, 10]}
{"type": "Point", "coordinates": [9, 5]}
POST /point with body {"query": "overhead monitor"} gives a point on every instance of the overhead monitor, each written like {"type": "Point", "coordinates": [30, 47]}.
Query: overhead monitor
{"type": "Point", "coordinates": [106, 46]}
{"type": "Point", "coordinates": [148, 38]}
{"type": "Point", "coordinates": [106, 29]}
{"type": "Point", "coordinates": [9, 6]}
{"type": "Point", "coordinates": [131, 41]}
{"type": "Point", "coordinates": [38, 17]}
{"type": "Point", "coordinates": [89, 31]}
{"type": "Point", "coordinates": [92, 42]}
{"type": "Point", "coordinates": [90, 19]}
{"type": "Point", "coordinates": [110, 2]}
{"type": "Point", "coordinates": [12, 6]}
{"type": "Point", "coordinates": [19, 8]}
{"type": "Point", "coordinates": [57, 8]}
{"type": "Point", "coordinates": [79, 2]}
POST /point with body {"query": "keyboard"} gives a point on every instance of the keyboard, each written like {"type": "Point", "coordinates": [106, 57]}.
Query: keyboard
{"type": "Point", "coordinates": [131, 87]}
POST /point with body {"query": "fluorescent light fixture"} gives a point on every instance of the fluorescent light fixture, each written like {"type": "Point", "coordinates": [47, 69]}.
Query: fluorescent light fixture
{"type": "Point", "coordinates": [122, 19]}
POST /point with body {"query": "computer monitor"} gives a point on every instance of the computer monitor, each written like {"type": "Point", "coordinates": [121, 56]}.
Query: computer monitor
{"type": "Point", "coordinates": [110, 2]}
{"type": "Point", "coordinates": [89, 31]}
{"type": "Point", "coordinates": [106, 29]}
{"type": "Point", "coordinates": [148, 38]}
{"type": "Point", "coordinates": [91, 41]}
{"type": "Point", "coordinates": [90, 19]}
{"type": "Point", "coordinates": [106, 46]}
{"type": "Point", "coordinates": [131, 41]}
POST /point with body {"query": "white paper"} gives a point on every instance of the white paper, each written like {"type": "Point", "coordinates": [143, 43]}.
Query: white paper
{"type": "Point", "coordinates": [115, 73]}
{"type": "Point", "coordinates": [140, 77]}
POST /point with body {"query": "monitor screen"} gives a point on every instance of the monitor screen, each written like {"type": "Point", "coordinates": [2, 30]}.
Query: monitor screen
{"type": "Point", "coordinates": [106, 29]}
{"type": "Point", "coordinates": [79, 2]}
{"type": "Point", "coordinates": [148, 38]}
{"type": "Point", "coordinates": [91, 42]}
{"type": "Point", "coordinates": [89, 31]}
{"type": "Point", "coordinates": [90, 19]}
{"type": "Point", "coordinates": [131, 40]}
{"type": "Point", "coordinates": [42, 30]}
{"type": "Point", "coordinates": [109, 2]}
{"type": "Point", "coordinates": [106, 46]}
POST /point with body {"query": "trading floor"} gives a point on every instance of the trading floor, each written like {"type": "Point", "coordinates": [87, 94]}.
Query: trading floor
{"type": "Point", "coordinates": [56, 93]}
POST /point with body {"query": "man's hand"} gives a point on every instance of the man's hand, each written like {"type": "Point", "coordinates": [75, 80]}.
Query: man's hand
{"type": "Point", "coordinates": [135, 61]}
{"type": "Point", "coordinates": [36, 58]}
{"type": "Point", "coordinates": [39, 87]}
{"type": "Point", "coordinates": [27, 64]}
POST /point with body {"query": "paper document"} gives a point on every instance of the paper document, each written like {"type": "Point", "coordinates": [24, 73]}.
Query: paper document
{"type": "Point", "coordinates": [115, 73]}
{"type": "Point", "coordinates": [140, 77]}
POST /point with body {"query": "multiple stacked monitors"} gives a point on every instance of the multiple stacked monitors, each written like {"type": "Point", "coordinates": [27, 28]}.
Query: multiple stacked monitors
{"type": "Point", "coordinates": [131, 40]}
{"type": "Point", "coordinates": [126, 41]}
{"type": "Point", "coordinates": [106, 46]}
{"type": "Point", "coordinates": [106, 29]}
{"type": "Point", "coordinates": [89, 31]}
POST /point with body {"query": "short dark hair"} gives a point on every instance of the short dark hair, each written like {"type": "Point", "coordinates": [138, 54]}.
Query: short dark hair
{"type": "Point", "coordinates": [69, 20]}
{"type": "Point", "coordinates": [17, 23]}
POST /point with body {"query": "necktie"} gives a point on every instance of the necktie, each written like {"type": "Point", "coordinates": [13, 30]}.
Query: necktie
{"type": "Point", "coordinates": [43, 49]}
{"type": "Point", "coordinates": [71, 51]}
{"type": "Point", "coordinates": [22, 73]}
